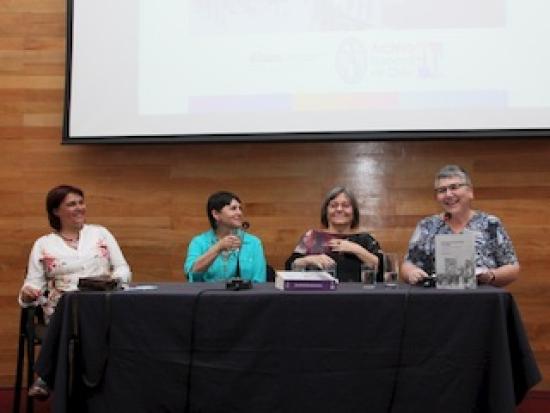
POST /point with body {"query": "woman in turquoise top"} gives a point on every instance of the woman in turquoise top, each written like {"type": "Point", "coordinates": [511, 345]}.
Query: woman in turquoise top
{"type": "Point", "coordinates": [214, 254]}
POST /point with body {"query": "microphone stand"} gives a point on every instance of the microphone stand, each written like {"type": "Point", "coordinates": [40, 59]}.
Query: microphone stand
{"type": "Point", "coordinates": [237, 283]}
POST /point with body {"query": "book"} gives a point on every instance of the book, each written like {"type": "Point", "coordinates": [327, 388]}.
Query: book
{"type": "Point", "coordinates": [455, 261]}
{"type": "Point", "coordinates": [305, 281]}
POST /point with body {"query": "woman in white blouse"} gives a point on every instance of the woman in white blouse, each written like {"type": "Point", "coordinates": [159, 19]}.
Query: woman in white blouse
{"type": "Point", "coordinates": [72, 251]}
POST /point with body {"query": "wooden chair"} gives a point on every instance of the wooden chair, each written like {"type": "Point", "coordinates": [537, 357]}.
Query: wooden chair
{"type": "Point", "coordinates": [32, 329]}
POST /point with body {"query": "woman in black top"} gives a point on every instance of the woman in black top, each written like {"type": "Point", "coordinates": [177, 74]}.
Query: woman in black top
{"type": "Point", "coordinates": [339, 242]}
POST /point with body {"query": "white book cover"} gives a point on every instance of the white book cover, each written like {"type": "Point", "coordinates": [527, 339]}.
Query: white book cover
{"type": "Point", "coordinates": [455, 260]}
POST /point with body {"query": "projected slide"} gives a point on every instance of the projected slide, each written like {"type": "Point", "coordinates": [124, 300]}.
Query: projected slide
{"type": "Point", "coordinates": [202, 67]}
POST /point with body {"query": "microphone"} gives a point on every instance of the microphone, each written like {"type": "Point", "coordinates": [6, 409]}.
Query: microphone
{"type": "Point", "coordinates": [236, 283]}
{"type": "Point", "coordinates": [244, 226]}
{"type": "Point", "coordinates": [447, 216]}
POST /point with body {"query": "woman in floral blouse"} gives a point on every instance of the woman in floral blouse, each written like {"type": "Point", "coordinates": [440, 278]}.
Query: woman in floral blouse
{"type": "Point", "coordinates": [496, 261]}
{"type": "Point", "coordinates": [72, 251]}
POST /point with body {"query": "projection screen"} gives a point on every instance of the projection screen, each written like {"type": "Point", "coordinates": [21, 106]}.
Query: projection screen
{"type": "Point", "coordinates": [216, 70]}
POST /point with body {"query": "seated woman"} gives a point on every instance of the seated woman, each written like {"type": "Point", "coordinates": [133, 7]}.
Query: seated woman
{"type": "Point", "coordinates": [58, 260]}
{"type": "Point", "coordinates": [226, 250]}
{"type": "Point", "coordinates": [339, 242]}
{"type": "Point", "coordinates": [496, 261]}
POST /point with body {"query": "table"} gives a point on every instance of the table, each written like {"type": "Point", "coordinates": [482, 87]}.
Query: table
{"type": "Point", "coordinates": [200, 348]}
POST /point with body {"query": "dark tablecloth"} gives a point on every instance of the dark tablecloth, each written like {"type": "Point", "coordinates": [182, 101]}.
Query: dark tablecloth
{"type": "Point", "coordinates": [199, 348]}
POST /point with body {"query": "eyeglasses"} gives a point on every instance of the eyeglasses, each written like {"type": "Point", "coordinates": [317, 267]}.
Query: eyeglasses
{"type": "Point", "coordinates": [452, 187]}
{"type": "Point", "coordinates": [336, 205]}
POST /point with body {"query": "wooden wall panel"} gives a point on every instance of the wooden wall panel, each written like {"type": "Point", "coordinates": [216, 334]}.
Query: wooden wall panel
{"type": "Point", "coordinates": [152, 196]}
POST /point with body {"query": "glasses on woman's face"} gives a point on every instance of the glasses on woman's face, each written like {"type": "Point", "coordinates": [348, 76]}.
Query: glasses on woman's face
{"type": "Point", "coordinates": [339, 205]}
{"type": "Point", "coordinates": [451, 187]}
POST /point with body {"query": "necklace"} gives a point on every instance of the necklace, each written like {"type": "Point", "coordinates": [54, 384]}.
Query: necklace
{"type": "Point", "coordinates": [225, 258]}
{"type": "Point", "coordinates": [71, 242]}
{"type": "Point", "coordinates": [69, 239]}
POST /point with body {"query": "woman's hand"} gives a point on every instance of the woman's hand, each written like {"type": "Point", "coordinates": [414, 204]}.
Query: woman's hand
{"type": "Point", "coordinates": [30, 294]}
{"type": "Point", "coordinates": [229, 242]}
{"type": "Point", "coordinates": [350, 247]}
{"type": "Point", "coordinates": [411, 273]}
{"type": "Point", "coordinates": [500, 276]}
{"type": "Point", "coordinates": [416, 276]}
{"type": "Point", "coordinates": [344, 245]}
{"type": "Point", "coordinates": [321, 261]}
{"type": "Point", "coordinates": [486, 277]}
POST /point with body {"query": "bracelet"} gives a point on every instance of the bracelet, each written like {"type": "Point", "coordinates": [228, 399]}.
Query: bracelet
{"type": "Point", "coordinates": [493, 277]}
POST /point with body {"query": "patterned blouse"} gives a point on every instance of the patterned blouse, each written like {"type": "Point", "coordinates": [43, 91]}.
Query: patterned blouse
{"type": "Point", "coordinates": [56, 268]}
{"type": "Point", "coordinates": [492, 244]}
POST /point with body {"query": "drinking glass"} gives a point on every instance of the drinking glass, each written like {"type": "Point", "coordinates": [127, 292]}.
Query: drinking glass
{"type": "Point", "coordinates": [391, 269]}
{"type": "Point", "coordinates": [368, 275]}
{"type": "Point", "coordinates": [332, 270]}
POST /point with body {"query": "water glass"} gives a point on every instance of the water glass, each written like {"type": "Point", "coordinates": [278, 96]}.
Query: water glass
{"type": "Point", "coordinates": [332, 270]}
{"type": "Point", "coordinates": [368, 275]}
{"type": "Point", "coordinates": [391, 270]}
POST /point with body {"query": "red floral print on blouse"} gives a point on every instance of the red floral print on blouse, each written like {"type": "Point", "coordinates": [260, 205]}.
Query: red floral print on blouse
{"type": "Point", "coordinates": [49, 262]}
{"type": "Point", "coordinates": [102, 248]}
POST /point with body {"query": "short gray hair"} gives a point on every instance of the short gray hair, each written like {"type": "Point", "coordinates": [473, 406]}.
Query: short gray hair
{"type": "Point", "coordinates": [453, 171]}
